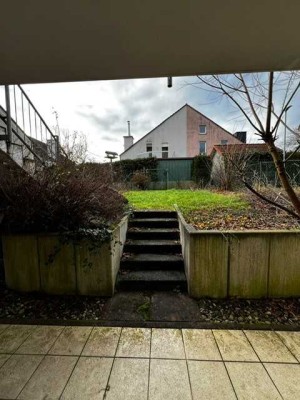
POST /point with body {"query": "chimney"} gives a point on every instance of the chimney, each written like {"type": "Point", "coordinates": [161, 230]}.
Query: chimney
{"type": "Point", "coordinates": [128, 140]}
{"type": "Point", "coordinates": [242, 136]}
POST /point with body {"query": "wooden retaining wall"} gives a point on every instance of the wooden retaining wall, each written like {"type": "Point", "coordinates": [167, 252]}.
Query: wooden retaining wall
{"type": "Point", "coordinates": [76, 268]}
{"type": "Point", "coordinates": [246, 264]}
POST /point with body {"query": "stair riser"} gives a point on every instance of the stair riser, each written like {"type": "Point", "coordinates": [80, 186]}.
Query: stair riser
{"type": "Point", "coordinates": [153, 249]}
{"type": "Point", "coordinates": [155, 214]}
{"type": "Point", "coordinates": [153, 235]}
{"type": "Point", "coordinates": [153, 224]}
{"type": "Point", "coordinates": [148, 266]}
{"type": "Point", "coordinates": [152, 286]}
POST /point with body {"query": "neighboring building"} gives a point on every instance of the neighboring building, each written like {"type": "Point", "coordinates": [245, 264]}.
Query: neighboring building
{"type": "Point", "coordinates": [223, 174]}
{"type": "Point", "coordinates": [246, 149]}
{"type": "Point", "coordinates": [186, 133]}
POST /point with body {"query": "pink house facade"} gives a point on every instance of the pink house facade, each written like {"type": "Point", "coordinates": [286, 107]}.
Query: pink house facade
{"type": "Point", "coordinates": [185, 134]}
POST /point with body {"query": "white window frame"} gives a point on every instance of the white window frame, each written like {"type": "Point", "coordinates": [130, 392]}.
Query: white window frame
{"type": "Point", "coordinates": [166, 152]}
{"type": "Point", "coordinates": [205, 151]}
{"type": "Point", "coordinates": [205, 129]}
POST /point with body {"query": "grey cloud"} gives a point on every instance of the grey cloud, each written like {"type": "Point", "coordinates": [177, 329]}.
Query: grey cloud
{"type": "Point", "coordinates": [109, 138]}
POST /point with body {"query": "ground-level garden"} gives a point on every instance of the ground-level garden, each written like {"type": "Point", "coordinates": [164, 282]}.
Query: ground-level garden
{"type": "Point", "coordinates": [213, 210]}
{"type": "Point", "coordinates": [52, 202]}
{"type": "Point", "coordinates": [204, 210]}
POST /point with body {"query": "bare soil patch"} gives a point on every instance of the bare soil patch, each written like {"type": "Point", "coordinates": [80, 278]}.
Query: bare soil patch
{"type": "Point", "coordinates": [259, 215]}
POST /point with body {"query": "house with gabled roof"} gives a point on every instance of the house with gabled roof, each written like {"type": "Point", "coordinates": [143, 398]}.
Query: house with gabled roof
{"type": "Point", "coordinates": [184, 134]}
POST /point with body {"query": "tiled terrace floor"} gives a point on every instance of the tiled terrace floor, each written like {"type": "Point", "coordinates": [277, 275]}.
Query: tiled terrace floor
{"type": "Point", "coordinates": [55, 362]}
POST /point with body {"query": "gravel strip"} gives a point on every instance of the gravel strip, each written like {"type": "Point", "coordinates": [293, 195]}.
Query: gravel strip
{"type": "Point", "coordinates": [262, 311]}
{"type": "Point", "coordinates": [16, 306]}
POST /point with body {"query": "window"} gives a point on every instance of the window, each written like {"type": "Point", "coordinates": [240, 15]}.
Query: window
{"type": "Point", "coordinates": [165, 150]}
{"type": "Point", "coordinates": [202, 129]}
{"type": "Point", "coordinates": [149, 149]}
{"type": "Point", "coordinates": [202, 147]}
{"type": "Point", "coordinates": [224, 142]}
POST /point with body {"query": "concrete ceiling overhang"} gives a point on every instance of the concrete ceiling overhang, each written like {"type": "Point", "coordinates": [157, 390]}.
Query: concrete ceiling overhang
{"type": "Point", "coordinates": [75, 40]}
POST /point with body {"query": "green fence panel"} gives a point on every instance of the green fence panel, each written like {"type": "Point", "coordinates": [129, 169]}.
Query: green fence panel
{"type": "Point", "coordinates": [177, 170]}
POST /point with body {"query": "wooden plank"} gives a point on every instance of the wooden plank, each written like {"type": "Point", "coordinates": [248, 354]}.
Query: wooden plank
{"type": "Point", "coordinates": [284, 275]}
{"type": "Point", "coordinates": [57, 265]}
{"type": "Point", "coordinates": [208, 268]}
{"type": "Point", "coordinates": [21, 262]}
{"type": "Point", "coordinates": [248, 263]}
{"type": "Point", "coordinates": [93, 269]}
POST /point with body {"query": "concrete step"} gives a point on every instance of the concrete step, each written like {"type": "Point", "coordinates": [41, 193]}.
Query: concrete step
{"type": "Point", "coordinates": [152, 280]}
{"type": "Point", "coordinates": [150, 262]}
{"type": "Point", "coordinates": [153, 233]}
{"type": "Point", "coordinates": [153, 222]}
{"type": "Point", "coordinates": [154, 214]}
{"type": "Point", "coordinates": [153, 246]}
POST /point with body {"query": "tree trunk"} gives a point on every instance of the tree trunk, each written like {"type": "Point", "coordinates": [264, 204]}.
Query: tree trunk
{"type": "Point", "coordinates": [281, 171]}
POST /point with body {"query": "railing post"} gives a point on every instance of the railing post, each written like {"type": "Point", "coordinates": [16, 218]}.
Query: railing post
{"type": "Point", "coordinates": [8, 122]}
{"type": "Point", "coordinates": [56, 139]}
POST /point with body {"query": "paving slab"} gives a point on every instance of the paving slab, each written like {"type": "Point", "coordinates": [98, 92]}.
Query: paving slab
{"type": "Point", "coordinates": [269, 347]}
{"type": "Point", "coordinates": [71, 341]}
{"type": "Point", "coordinates": [3, 327]}
{"type": "Point", "coordinates": [14, 336]}
{"type": "Point", "coordinates": [172, 306]}
{"type": "Point", "coordinates": [41, 340]}
{"type": "Point", "coordinates": [49, 379]}
{"type": "Point", "coordinates": [234, 346]}
{"type": "Point", "coordinates": [167, 343]}
{"type": "Point", "coordinates": [169, 380]}
{"type": "Point", "coordinates": [209, 380]}
{"type": "Point", "coordinates": [15, 373]}
{"type": "Point", "coordinates": [286, 378]}
{"type": "Point", "coordinates": [89, 379]}
{"type": "Point", "coordinates": [102, 342]}
{"type": "Point", "coordinates": [134, 342]}
{"type": "Point", "coordinates": [200, 344]}
{"type": "Point", "coordinates": [251, 381]}
{"type": "Point", "coordinates": [3, 358]}
{"type": "Point", "coordinates": [292, 341]}
{"type": "Point", "coordinates": [129, 379]}
{"type": "Point", "coordinates": [125, 307]}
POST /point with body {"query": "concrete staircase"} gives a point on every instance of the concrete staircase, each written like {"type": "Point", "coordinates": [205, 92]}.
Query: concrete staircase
{"type": "Point", "coordinates": [152, 258]}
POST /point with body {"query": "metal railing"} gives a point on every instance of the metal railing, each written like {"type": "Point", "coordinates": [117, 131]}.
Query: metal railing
{"type": "Point", "coordinates": [27, 127]}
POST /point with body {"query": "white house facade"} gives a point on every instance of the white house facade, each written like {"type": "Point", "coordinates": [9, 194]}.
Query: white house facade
{"type": "Point", "coordinates": [184, 134]}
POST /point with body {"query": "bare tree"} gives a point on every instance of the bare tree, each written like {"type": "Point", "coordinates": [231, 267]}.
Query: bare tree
{"type": "Point", "coordinates": [230, 165]}
{"type": "Point", "coordinates": [74, 145]}
{"type": "Point", "coordinates": [262, 99]}
{"type": "Point", "coordinates": [293, 139]}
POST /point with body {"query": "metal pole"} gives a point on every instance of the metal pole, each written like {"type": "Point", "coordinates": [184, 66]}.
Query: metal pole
{"type": "Point", "coordinates": [23, 112]}
{"type": "Point", "coordinates": [128, 122]}
{"type": "Point", "coordinates": [284, 138]}
{"type": "Point", "coordinates": [8, 123]}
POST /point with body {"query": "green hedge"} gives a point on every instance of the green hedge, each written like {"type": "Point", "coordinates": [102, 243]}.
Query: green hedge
{"type": "Point", "coordinates": [124, 169]}
{"type": "Point", "coordinates": [201, 169]}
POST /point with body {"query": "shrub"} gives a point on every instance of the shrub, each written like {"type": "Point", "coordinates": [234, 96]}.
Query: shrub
{"type": "Point", "coordinates": [60, 198]}
{"type": "Point", "coordinates": [124, 170]}
{"type": "Point", "coordinates": [201, 170]}
{"type": "Point", "coordinates": [141, 180]}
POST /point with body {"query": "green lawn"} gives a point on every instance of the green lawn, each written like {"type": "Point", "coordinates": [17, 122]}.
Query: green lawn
{"type": "Point", "coordinates": [186, 200]}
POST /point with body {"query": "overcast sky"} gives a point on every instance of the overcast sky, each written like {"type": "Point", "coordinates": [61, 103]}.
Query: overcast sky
{"type": "Point", "coordinates": [101, 109]}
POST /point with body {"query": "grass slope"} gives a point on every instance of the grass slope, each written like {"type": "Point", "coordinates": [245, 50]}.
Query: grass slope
{"type": "Point", "coordinates": [186, 200]}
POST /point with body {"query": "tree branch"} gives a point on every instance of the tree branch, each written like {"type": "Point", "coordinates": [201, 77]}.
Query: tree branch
{"type": "Point", "coordinates": [251, 104]}
{"type": "Point", "coordinates": [270, 101]}
{"type": "Point", "coordinates": [270, 201]}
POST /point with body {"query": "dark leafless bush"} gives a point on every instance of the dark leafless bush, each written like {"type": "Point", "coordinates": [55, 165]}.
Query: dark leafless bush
{"type": "Point", "coordinates": [60, 198]}
{"type": "Point", "coordinates": [141, 180]}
